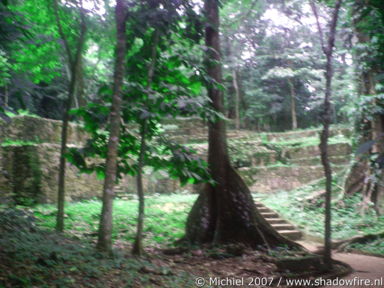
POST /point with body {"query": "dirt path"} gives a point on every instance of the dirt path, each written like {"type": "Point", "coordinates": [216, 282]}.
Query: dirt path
{"type": "Point", "coordinates": [368, 270]}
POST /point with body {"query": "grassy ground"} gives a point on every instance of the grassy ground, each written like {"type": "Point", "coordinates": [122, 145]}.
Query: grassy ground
{"type": "Point", "coordinates": [166, 216]}
{"type": "Point", "coordinates": [164, 224]}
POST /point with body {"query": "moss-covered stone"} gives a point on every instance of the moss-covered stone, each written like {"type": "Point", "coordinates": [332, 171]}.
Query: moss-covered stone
{"type": "Point", "coordinates": [337, 149]}
{"type": "Point", "coordinates": [275, 178]}
{"type": "Point", "coordinates": [39, 130]}
{"type": "Point", "coordinates": [32, 176]}
{"type": "Point", "coordinates": [272, 161]}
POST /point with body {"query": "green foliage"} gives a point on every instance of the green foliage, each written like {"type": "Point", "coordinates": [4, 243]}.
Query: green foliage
{"type": "Point", "coordinates": [38, 56]}
{"type": "Point", "coordinates": [161, 154]}
{"type": "Point", "coordinates": [273, 47]}
{"type": "Point", "coordinates": [168, 85]}
{"type": "Point", "coordinates": [20, 112]}
{"type": "Point", "coordinates": [11, 142]}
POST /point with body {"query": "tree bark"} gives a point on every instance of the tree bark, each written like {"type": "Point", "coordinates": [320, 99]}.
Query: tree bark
{"type": "Point", "coordinates": [237, 98]}
{"type": "Point", "coordinates": [225, 212]}
{"type": "Point", "coordinates": [138, 246]}
{"type": "Point", "coordinates": [328, 51]}
{"type": "Point", "coordinates": [364, 176]}
{"type": "Point", "coordinates": [6, 96]}
{"type": "Point", "coordinates": [293, 104]}
{"type": "Point", "coordinates": [74, 62]}
{"type": "Point", "coordinates": [104, 242]}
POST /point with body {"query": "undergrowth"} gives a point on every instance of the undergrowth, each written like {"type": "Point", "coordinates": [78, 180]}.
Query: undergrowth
{"type": "Point", "coordinates": [164, 222]}
{"type": "Point", "coordinates": [375, 246]}
{"type": "Point", "coordinates": [34, 257]}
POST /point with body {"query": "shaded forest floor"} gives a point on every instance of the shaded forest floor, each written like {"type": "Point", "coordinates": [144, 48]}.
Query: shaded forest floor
{"type": "Point", "coordinates": [166, 216]}
{"type": "Point", "coordinates": [33, 255]}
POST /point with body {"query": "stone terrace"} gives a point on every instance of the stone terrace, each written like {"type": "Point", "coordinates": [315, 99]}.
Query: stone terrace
{"type": "Point", "coordinates": [29, 156]}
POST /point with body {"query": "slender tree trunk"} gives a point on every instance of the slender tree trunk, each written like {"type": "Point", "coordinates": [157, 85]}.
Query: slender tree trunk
{"type": "Point", "coordinates": [225, 212]}
{"type": "Point", "coordinates": [328, 51]}
{"type": "Point", "coordinates": [327, 167]}
{"type": "Point", "coordinates": [80, 85]}
{"type": "Point", "coordinates": [293, 104]}
{"type": "Point", "coordinates": [356, 181]}
{"type": "Point", "coordinates": [377, 194]}
{"type": "Point", "coordinates": [237, 98]}
{"type": "Point", "coordinates": [104, 242]}
{"type": "Point", "coordinates": [138, 245]}
{"type": "Point", "coordinates": [6, 96]}
{"type": "Point", "coordinates": [73, 63]}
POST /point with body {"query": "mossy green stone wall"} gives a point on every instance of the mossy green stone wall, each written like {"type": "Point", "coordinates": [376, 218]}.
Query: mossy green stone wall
{"type": "Point", "coordinates": [269, 161]}
{"type": "Point", "coordinates": [30, 175]}
{"type": "Point", "coordinates": [29, 172]}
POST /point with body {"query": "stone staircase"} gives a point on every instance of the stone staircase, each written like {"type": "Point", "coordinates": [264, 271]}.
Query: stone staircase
{"type": "Point", "coordinates": [121, 193]}
{"type": "Point", "coordinates": [281, 225]}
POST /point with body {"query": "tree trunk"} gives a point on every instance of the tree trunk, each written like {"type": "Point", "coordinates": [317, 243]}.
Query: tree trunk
{"type": "Point", "coordinates": [293, 104]}
{"type": "Point", "coordinates": [80, 85]}
{"type": "Point", "coordinates": [74, 62]}
{"type": "Point", "coordinates": [237, 98]}
{"type": "Point", "coordinates": [231, 91]}
{"type": "Point", "coordinates": [225, 212]}
{"type": "Point", "coordinates": [104, 242]}
{"type": "Point", "coordinates": [6, 96]}
{"type": "Point", "coordinates": [328, 51]}
{"type": "Point", "coordinates": [364, 176]}
{"type": "Point", "coordinates": [377, 196]}
{"type": "Point", "coordinates": [138, 246]}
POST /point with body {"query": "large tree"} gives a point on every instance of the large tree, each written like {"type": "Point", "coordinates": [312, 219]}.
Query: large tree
{"type": "Point", "coordinates": [367, 176]}
{"type": "Point", "coordinates": [224, 212]}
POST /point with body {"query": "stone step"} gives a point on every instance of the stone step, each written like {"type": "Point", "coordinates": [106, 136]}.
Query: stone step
{"type": "Point", "coordinates": [263, 209]}
{"type": "Point", "coordinates": [291, 234]}
{"type": "Point", "coordinates": [283, 178]}
{"type": "Point", "coordinates": [276, 221]}
{"type": "Point", "coordinates": [283, 226]}
{"type": "Point", "coordinates": [280, 225]}
{"type": "Point", "coordinates": [336, 149]}
{"type": "Point", "coordinates": [120, 192]}
{"type": "Point", "coordinates": [335, 160]}
{"type": "Point", "coordinates": [268, 215]}
{"type": "Point", "coordinates": [306, 133]}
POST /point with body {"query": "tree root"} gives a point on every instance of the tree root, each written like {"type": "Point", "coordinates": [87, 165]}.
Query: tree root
{"type": "Point", "coordinates": [342, 245]}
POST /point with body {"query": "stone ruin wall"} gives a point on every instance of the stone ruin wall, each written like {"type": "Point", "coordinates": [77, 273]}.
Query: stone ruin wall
{"type": "Point", "coordinates": [29, 172]}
